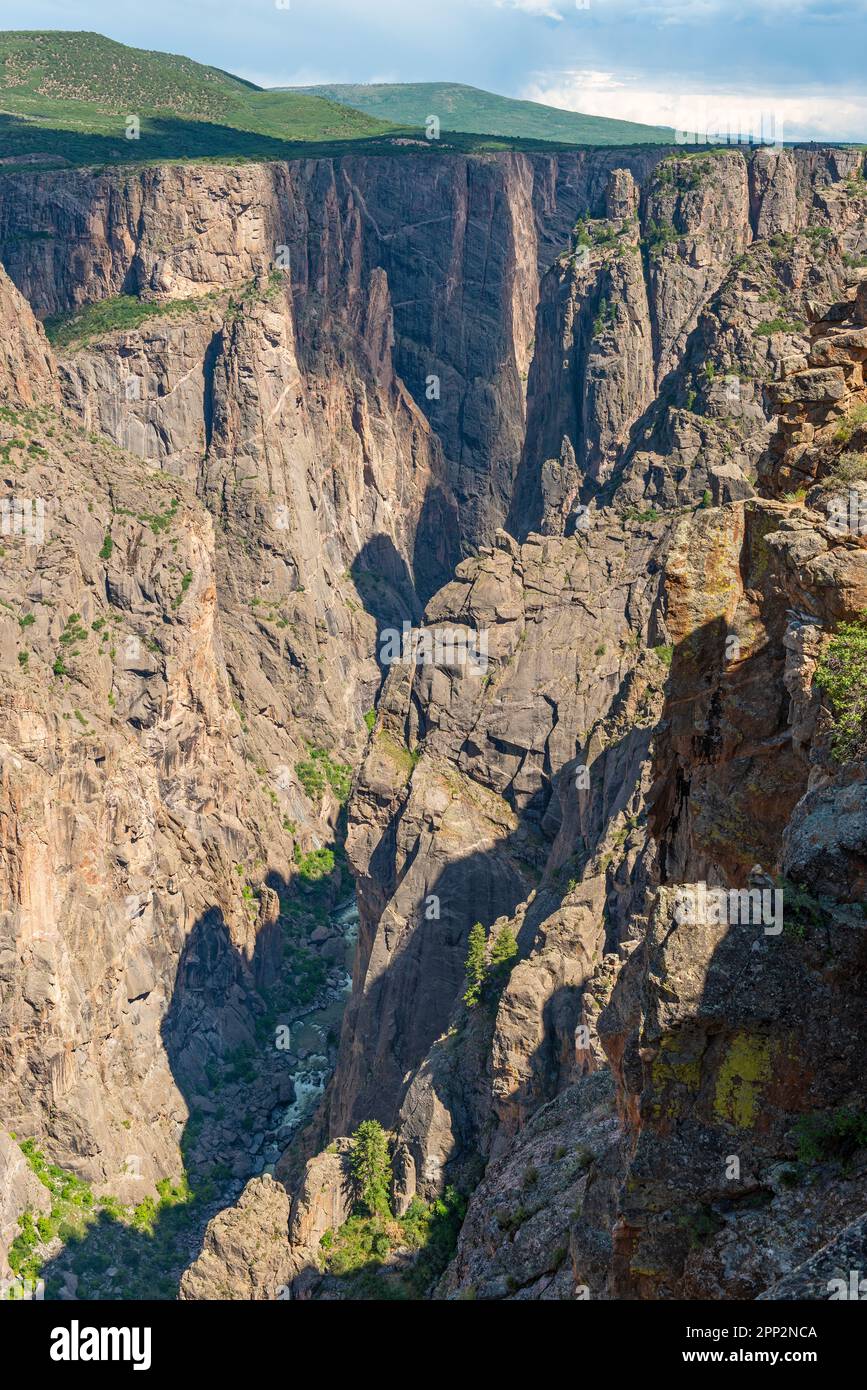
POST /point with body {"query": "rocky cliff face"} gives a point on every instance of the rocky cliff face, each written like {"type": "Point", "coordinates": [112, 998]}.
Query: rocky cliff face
{"type": "Point", "coordinates": [27, 372]}
{"type": "Point", "coordinates": [461, 244]}
{"type": "Point", "coordinates": [124, 784]}
{"type": "Point", "coordinates": [577, 421]}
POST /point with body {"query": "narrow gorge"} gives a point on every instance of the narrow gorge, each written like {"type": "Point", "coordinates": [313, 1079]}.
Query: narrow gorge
{"type": "Point", "coordinates": [295, 437]}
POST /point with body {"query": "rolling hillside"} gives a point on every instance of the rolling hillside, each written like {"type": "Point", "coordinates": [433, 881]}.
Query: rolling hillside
{"type": "Point", "coordinates": [65, 96]}
{"type": "Point", "coordinates": [474, 111]}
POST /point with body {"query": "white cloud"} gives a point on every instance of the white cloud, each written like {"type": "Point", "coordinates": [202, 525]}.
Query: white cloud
{"type": "Point", "coordinates": [807, 115]}
{"type": "Point", "coordinates": [689, 11]}
{"type": "Point", "coordinates": [544, 9]}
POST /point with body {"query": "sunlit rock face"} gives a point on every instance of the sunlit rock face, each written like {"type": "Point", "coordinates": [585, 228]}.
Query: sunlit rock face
{"type": "Point", "coordinates": [581, 419]}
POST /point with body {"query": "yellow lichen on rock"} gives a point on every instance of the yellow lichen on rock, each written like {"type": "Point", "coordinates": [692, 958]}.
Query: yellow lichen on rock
{"type": "Point", "coordinates": [745, 1069]}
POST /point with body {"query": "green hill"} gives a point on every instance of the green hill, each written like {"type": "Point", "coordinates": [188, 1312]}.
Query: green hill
{"type": "Point", "coordinates": [67, 95]}
{"type": "Point", "coordinates": [66, 98]}
{"type": "Point", "coordinates": [477, 112]}
{"type": "Point", "coordinates": [80, 67]}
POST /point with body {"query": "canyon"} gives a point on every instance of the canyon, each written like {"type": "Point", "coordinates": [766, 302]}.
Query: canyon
{"type": "Point", "coordinates": [597, 407]}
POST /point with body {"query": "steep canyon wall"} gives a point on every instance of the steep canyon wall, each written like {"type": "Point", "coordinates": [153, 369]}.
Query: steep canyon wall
{"type": "Point", "coordinates": [583, 404]}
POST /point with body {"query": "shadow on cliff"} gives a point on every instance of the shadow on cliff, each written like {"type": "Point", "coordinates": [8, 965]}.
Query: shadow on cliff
{"type": "Point", "coordinates": [570, 830]}
{"type": "Point", "coordinates": [707, 1026]}
{"type": "Point", "coordinates": [389, 590]}
{"type": "Point", "coordinates": [385, 585]}
{"type": "Point", "coordinates": [591, 882]}
{"type": "Point", "coordinates": [411, 1014]}
{"type": "Point", "coordinates": [218, 1033]}
{"type": "Point", "coordinates": [725, 776]}
{"type": "Point", "coordinates": [683, 747]}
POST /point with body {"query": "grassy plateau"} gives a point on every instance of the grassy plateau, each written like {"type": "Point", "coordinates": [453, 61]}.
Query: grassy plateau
{"type": "Point", "coordinates": [77, 98]}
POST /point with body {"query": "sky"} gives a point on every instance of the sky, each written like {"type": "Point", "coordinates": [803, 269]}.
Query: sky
{"type": "Point", "coordinates": [692, 64]}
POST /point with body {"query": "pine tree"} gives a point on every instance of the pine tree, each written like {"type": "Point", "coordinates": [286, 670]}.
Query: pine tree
{"type": "Point", "coordinates": [370, 1163]}
{"type": "Point", "coordinates": [475, 965]}
{"type": "Point", "coordinates": [504, 949]}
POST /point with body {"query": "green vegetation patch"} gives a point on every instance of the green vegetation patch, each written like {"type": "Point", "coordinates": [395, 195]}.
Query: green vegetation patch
{"type": "Point", "coordinates": [855, 420]}
{"type": "Point", "coordinates": [321, 770]}
{"type": "Point", "coordinates": [72, 1205]}
{"type": "Point", "coordinates": [316, 864]}
{"type": "Point", "coordinates": [801, 910]}
{"type": "Point", "coordinates": [488, 964]}
{"type": "Point", "coordinates": [404, 758]}
{"type": "Point", "coordinates": [186, 581]}
{"type": "Point", "coordinates": [121, 312]}
{"type": "Point", "coordinates": [606, 317]}
{"type": "Point", "coordinates": [838, 1135]}
{"type": "Point", "coordinates": [842, 675]}
{"type": "Point", "coordinates": [658, 236]}
{"type": "Point", "coordinates": [769, 327]}
{"type": "Point", "coordinates": [102, 1233]}
{"type": "Point", "coordinates": [307, 972]}
{"type": "Point", "coordinates": [74, 631]}
{"type": "Point", "coordinates": [370, 1165]}
{"type": "Point", "coordinates": [849, 468]}
{"type": "Point", "coordinates": [358, 1252]}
